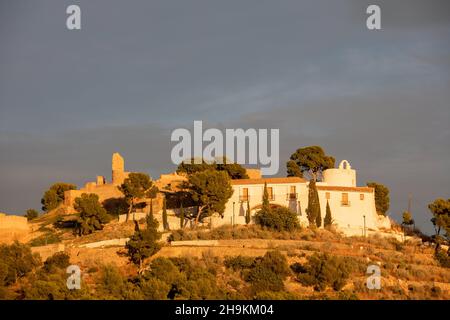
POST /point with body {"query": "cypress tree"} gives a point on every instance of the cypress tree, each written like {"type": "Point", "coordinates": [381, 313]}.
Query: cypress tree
{"type": "Point", "coordinates": [151, 209]}
{"type": "Point", "coordinates": [164, 215]}
{"type": "Point", "coordinates": [181, 216]}
{"type": "Point", "coordinates": [265, 200]}
{"type": "Point", "coordinates": [313, 211]}
{"type": "Point", "coordinates": [328, 219]}
{"type": "Point", "coordinates": [247, 215]}
{"type": "Point", "coordinates": [319, 220]}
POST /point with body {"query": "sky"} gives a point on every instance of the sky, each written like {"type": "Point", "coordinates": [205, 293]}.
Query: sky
{"type": "Point", "coordinates": [137, 70]}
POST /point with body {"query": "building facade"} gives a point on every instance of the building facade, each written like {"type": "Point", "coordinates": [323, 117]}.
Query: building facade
{"type": "Point", "coordinates": [352, 208]}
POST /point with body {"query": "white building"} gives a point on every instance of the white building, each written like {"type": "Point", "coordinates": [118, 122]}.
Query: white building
{"type": "Point", "coordinates": [352, 208]}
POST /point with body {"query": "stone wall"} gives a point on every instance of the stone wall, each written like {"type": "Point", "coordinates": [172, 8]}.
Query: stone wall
{"type": "Point", "coordinates": [48, 250]}
{"type": "Point", "coordinates": [13, 222]}
{"type": "Point", "coordinates": [13, 228]}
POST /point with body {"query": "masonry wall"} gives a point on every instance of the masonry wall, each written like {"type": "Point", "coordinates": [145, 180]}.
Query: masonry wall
{"type": "Point", "coordinates": [13, 228]}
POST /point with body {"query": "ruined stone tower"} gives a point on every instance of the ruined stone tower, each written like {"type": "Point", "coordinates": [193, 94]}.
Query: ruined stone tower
{"type": "Point", "coordinates": [118, 169]}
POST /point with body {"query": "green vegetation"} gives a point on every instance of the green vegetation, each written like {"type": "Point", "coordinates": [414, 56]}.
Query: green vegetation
{"type": "Point", "coordinates": [31, 214]}
{"type": "Point", "coordinates": [268, 273]}
{"type": "Point", "coordinates": [323, 270]}
{"type": "Point", "coordinates": [144, 243]}
{"type": "Point", "coordinates": [310, 161]}
{"type": "Point", "coordinates": [382, 199]}
{"type": "Point", "coordinates": [16, 261]}
{"type": "Point", "coordinates": [92, 215]}
{"type": "Point", "coordinates": [55, 195]}
{"type": "Point", "coordinates": [328, 221]}
{"type": "Point", "coordinates": [137, 186]}
{"type": "Point", "coordinates": [164, 216]}
{"type": "Point", "coordinates": [265, 273]}
{"type": "Point", "coordinates": [277, 218]}
{"type": "Point", "coordinates": [247, 214]}
{"type": "Point", "coordinates": [440, 209]}
{"type": "Point", "coordinates": [210, 191]}
{"type": "Point", "coordinates": [313, 210]}
{"type": "Point", "coordinates": [234, 170]}
{"type": "Point", "coordinates": [49, 237]}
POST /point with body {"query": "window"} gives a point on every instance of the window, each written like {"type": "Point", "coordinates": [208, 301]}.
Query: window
{"type": "Point", "coordinates": [244, 196]}
{"type": "Point", "coordinates": [327, 195]}
{"type": "Point", "coordinates": [292, 194]}
{"type": "Point", "coordinates": [270, 193]}
{"type": "Point", "coordinates": [361, 196]}
{"type": "Point", "coordinates": [344, 200]}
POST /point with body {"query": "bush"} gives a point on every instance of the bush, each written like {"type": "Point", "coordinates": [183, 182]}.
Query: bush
{"type": "Point", "coordinates": [279, 219]}
{"type": "Point", "coordinates": [442, 258]}
{"type": "Point", "coordinates": [323, 270]}
{"type": "Point", "coordinates": [31, 214]}
{"type": "Point", "coordinates": [154, 289]}
{"type": "Point", "coordinates": [111, 284]}
{"type": "Point", "coordinates": [239, 263]}
{"type": "Point", "coordinates": [49, 237]}
{"type": "Point", "coordinates": [16, 262]}
{"type": "Point", "coordinates": [268, 272]}
{"type": "Point", "coordinates": [60, 260]}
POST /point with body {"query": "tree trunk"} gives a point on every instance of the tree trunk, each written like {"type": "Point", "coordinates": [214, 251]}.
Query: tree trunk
{"type": "Point", "coordinates": [129, 211]}
{"type": "Point", "coordinates": [197, 218]}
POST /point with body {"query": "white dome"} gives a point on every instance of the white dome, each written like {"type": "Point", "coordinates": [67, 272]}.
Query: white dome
{"type": "Point", "coordinates": [343, 176]}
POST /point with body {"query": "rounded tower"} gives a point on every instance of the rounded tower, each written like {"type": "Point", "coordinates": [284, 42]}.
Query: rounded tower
{"type": "Point", "coordinates": [343, 176]}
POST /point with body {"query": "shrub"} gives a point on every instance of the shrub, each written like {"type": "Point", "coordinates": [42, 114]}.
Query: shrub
{"type": "Point", "coordinates": [279, 218]}
{"type": "Point", "coordinates": [59, 260]}
{"type": "Point", "coordinates": [49, 237]}
{"type": "Point", "coordinates": [17, 261]}
{"type": "Point", "coordinates": [154, 289]}
{"type": "Point", "coordinates": [323, 270]}
{"type": "Point", "coordinates": [111, 284]}
{"type": "Point", "coordinates": [442, 258]}
{"type": "Point", "coordinates": [268, 272]}
{"type": "Point", "coordinates": [239, 263]}
{"type": "Point", "coordinates": [31, 214]}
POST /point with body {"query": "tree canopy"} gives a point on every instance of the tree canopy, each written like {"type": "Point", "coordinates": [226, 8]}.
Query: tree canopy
{"type": "Point", "coordinates": [137, 186]}
{"type": "Point", "coordinates": [234, 170]}
{"type": "Point", "coordinates": [31, 214]}
{"type": "Point", "coordinates": [382, 199]}
{"type": "Point", "coordinates": [440, 209]}
{"type": "Point", "coordinates": [210, 190]}
{"type": "Point", "coordinates": [144, 243]}
{"type": "Point", "coordinates": [310, 161]}
{"type": "Point", "coordinates": [55, 195]}
{"type": "Point", "coordinates": [92, 215]}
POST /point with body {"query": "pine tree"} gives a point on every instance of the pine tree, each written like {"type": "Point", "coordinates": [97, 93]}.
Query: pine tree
{"type": "Point", "coordinates": [164, 216]}
{"type": "Point", "coordinates": [313, 210]}
{"type": "Point", "coordinates": [328, 219]}
{"type": "Point", "coordinates": [144, 243]}
{"type": "Point", "coordinates": [247, 215]}
{"type": "Point", "coordinates": [181, 216]}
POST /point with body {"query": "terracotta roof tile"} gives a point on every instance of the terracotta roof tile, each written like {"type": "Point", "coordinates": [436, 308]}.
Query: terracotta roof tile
{"type": "Point", "coordinates": [268, 180]}
{"type": "Point", "coordinates": [349, 189]}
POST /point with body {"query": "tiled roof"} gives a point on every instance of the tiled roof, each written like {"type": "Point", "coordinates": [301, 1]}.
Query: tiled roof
{"type": "Point", "coordinates": [349, 189]}
{"type": "Point", "coordinates": [268, 180]}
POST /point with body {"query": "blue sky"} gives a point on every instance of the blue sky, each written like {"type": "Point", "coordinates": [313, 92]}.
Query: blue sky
{"type": "Point", "coordinates": [139, 69]}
